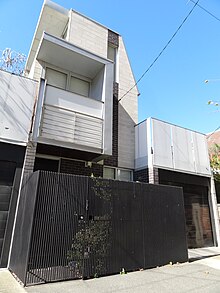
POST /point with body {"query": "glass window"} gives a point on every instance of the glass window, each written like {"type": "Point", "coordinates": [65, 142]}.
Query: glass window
{"type": "Point", "coordinates": [109, 173]}
{"type": "Point", "coordinates": [124, 175]}
{"type": "Point", "coordinates": [111, 53]}
{"type": "Point", "coordinates": [56, 78]}
{"type": "Point", "coordinates": [79, 86]}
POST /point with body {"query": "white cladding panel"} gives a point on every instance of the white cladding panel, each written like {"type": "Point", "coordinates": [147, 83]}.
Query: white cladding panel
{"type": "Point", "coordinates": [182, 149]}
{"type": "Point", "coordinates": [141, 145]}
{"type": "Point", "coordinates": [173, 148]}
{"type": "Point", "coordinates": [162, 144]}
{"type": "Point", "coordinates": [201, 153]}
{"type": "Point", "coordinates": [17, 95]}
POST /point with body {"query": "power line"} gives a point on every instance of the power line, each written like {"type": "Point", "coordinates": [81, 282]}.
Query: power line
{"type": "Point", "coordinates": [208, 136]}
{"type": "Point", "coordinates": [161, 52]}
{"type": "Point", "coordinates": [206, 10]}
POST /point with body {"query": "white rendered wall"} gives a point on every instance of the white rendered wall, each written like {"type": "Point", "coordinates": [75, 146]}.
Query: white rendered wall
{"type": "Point", "coordinates": [17, 95]}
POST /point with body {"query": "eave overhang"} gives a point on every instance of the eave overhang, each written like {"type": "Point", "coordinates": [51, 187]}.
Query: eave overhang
{"type": "Point", "coordinates": [60, 53]}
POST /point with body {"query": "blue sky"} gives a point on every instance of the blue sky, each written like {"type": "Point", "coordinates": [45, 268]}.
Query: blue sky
{"type": "Point", "coordinates": [174, 89]}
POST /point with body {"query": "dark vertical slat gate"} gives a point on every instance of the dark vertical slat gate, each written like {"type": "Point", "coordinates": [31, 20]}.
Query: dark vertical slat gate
{"type": "Point", "coordinates": [81, 227]}
{"type": "Point", "coordinates": [59, 218]}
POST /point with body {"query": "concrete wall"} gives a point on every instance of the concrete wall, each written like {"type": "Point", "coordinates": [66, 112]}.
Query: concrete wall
{"type": "Point", "coordinates": [87, 34]}
{"type": "Point", "coordinates": [17, 96]}
{"type": "Point", "coordinates": [128, 110]}
{"type": "Point", "coordinates": [36, 70]}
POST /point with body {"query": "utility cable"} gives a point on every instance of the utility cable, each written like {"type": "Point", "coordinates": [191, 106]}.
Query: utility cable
{"type": "Point", "coordinates": [208, 136]}
{"type": "Point", "coordinates": [206, 10]}
{"type": "Point", "coordinates": [161, 52]}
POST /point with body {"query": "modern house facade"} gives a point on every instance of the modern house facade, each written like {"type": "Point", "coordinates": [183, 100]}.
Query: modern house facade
{"type": "Point", "coordinates": [82, 68]}
{"type": "Point", "coordinates": [67, 116]}
{"type": "Point", "coordinates": [64, 115]}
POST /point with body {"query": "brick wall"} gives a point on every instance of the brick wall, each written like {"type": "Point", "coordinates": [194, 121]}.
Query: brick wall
{"type": "Point", "coordinates": [113, 38]}
{"type": "Point", "coordinates": [113, 160]}
{"type": "Point", "coordinates": [79, 168]}
{"type": "Point", "coordinates": [153, 175]}
{"type": "Point", "coordinates": [29, 158]}
{"type": "Point", "coordinates": [141, 175]}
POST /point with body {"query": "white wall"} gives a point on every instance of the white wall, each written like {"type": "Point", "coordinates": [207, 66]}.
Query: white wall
{"type": "Point", "coordinates": [174, 148]}
{"type": "Point", "coordinates": [71, 101]}
{"type": "Point", "coordinates": [17, 96]}
{"type": "Point", "coordinates": [141, 156]}
{"type": "Point", "coordinates": [97, 86]}
{"type": "Point", "coordinates": [128, 110]}
{"type": "Point", "coordinates": [87, 34]}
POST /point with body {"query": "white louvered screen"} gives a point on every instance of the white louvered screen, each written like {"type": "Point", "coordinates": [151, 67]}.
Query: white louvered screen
{"type": "Point", "coordinates": [71, 127]}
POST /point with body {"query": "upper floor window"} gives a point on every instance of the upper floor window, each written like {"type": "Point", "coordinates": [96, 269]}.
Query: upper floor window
{"type": "Point", "coordinates": [79, 86]}
{"type": "Point", "coordinates": [56, 78]}
{"type": "Point", "coordinates": [67, 81]}
{"type": "Point", "coordinates": [112, 55]}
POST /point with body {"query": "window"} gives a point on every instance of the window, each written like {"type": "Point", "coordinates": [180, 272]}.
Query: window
{"type": "Point", "coordinates": [109, 173]}
{"type": "Point", "coordinates": [66, 81]}
{"type": "Point", "coordinates": [124, 175]}
{"type": "Point", "coordinates": [79, 86]}
{"type": "Point", "coordinates": [111, 54]}
{"type": "Point", "coordinates": [116, 173]}
{"type": "Point", "coordinates": [56, 78]}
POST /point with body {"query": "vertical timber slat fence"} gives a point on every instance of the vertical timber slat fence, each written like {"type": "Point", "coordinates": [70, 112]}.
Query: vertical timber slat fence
{"type": "Point", "coordinates": [76, 227]}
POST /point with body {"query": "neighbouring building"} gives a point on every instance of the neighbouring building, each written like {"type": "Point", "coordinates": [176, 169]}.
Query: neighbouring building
{"type": "Point", "coordinates": [173, 155]}
{"type": "Point", "coordinates": [17, 98]}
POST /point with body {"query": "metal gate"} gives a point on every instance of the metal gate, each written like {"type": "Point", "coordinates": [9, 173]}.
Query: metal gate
{"type": "Point", "coordinates": [71, 227]}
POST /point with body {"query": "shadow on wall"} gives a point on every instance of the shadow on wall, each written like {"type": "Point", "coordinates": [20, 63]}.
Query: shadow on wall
{"type": "Point", "coordinates": [126, 139]}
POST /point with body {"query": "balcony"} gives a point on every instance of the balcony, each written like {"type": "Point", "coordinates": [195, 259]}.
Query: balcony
{"type": "Point", "coordinates": [64, 117]}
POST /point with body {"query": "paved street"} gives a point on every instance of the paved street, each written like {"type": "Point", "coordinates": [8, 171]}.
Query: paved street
{"type": "Point", "coordinates": [202, 276]}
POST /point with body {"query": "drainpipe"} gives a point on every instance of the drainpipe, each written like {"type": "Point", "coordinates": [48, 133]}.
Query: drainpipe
{"type": "Point", "coordinates": [214, 212]}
